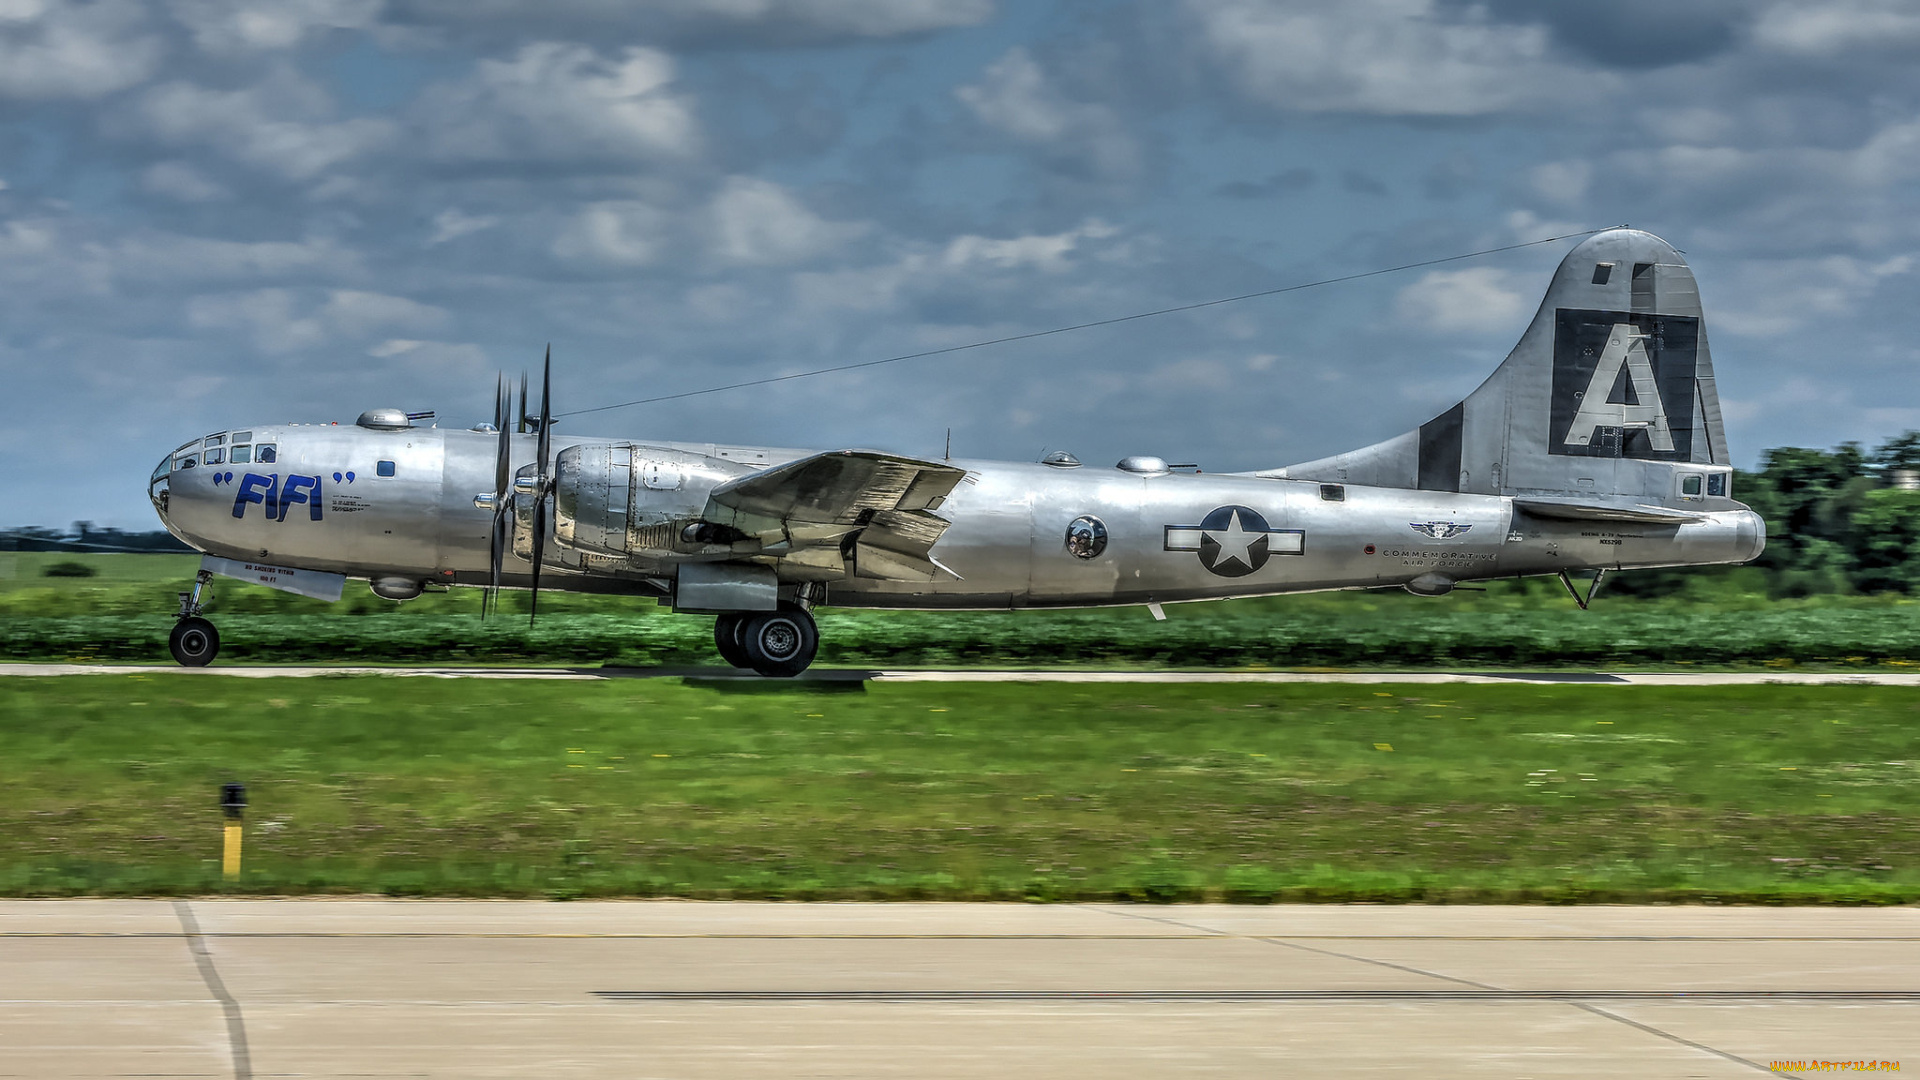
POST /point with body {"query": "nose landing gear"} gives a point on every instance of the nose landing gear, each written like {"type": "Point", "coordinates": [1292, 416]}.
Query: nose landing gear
{"type": "Point", "coordinates": [194, 642]}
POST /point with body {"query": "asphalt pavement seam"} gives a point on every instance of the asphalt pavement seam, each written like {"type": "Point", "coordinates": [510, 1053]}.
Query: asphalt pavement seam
{"type": "Point", "coordinates": [1671, 1037]}
{"type": "Point", "coordinates": [230, 1008]}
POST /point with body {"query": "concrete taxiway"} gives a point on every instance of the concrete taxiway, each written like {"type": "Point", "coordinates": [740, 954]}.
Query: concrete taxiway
{"type": "Point", "coordinates": [1055, 675]}
{"type": "Point", "coordinates": [362, 988]}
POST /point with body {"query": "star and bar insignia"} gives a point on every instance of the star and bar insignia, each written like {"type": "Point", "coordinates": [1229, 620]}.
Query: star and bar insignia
{"type": "Point", "coordinates": [1234, 541]}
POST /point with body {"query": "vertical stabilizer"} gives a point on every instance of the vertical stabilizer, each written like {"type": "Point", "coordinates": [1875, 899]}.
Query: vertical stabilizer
{"type": "Point", "coordinates": [1609, 394]}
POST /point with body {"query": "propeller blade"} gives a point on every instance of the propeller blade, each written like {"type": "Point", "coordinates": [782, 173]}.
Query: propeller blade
{"type": "Point", "coordinates": [498, 555]}
{"type": "Point", "coordinates": [543, 489]}
{"type": "Point", "coordinates": [522, 426]}
{"type": "Point", "coordinates": [546, 414]}
{"type": "Point", "coordinates": [502, 478]}
{"type": "Point", "coordinates": [503, 465]}
{"type": "Point", "coordinates": [539, 550]}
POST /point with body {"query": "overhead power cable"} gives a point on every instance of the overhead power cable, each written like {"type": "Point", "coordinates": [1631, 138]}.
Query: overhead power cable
{"type": "Point", "coordinates": [1116, 320]}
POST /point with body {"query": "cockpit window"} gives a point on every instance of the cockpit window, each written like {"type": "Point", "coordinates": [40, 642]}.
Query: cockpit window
{"type": "Point", "coordinates": [161, 470]}
{"type": "Point", "coordinates": [242, 455]}
{"type": "Point", "coordinates": [243, 436]}
{"type": "Point", "coordinates": [186, 462]}
{"type": "Point", "coordinates": [216, 440]}
{"type": "Point", "coordinates": [215, 457]}
{"type": "Point", "coordinates": [266, 454]}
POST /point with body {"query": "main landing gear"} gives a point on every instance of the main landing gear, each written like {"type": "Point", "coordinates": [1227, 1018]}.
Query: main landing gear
{"type": "Point", "coordinates": [194, 642]}
{"type": "Point", "coordinates": [779, 644]}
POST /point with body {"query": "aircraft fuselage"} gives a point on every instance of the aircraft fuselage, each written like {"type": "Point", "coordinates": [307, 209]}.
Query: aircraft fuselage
{"type": "Point", "coordinates": [400, 504]}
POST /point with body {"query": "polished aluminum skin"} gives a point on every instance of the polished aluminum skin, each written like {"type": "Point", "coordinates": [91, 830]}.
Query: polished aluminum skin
{"type": "Point", "coordinates": [1597, 445]}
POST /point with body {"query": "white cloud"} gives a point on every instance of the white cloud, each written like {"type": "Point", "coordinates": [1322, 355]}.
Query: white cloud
{"type": "Point", "coordinates": [1778, 296]}
{"type": "Point", "coordinates": [149, 256]}
{"type": "Point", "coordinates": [52, 255]}
{"type": "Point", "coordinates": [865, 288]}
{"type": "Point", "coordinates": [1526, 227]}
{"type": "Point", "coordinates": [1563, 182]}
{"type": "Point", "coordinates": [394, 347]}
{"type": "Point", "coordinates": [23, 239]}
{"type": "Point", "coordinates": [444, 357]}
{"type": "Point", "coordinates": [619, 233]}
{"type": "Point", "coordinates": [801, 18]}
{"type": "Point", "coordinates": [281, 126]}
{"type": "Point", "coordinates": [1773, 175]}
{"type": "Point", "coordinates": [758, 223]}
{"type": "Point", "coordinates": [863, 18]}
{"type": "Point", "coordinates": [1477, 300]}
{"type": "Point", "coordinates": [354, 313]}
{"type": "Point", "coordinates": [968, 262]}
{"type": "Point", "coordinates": [1827, 28]}
{"type": "Point", "coordinates": [74, 50]}
{"type": "Point", "coordinates": [179, 180]}
{"type": "Point", "coordinates": [452, 224]}
{"type": "Point", "coordinates": [267, 314]}
{"type": "Point", "coordinates": [1015, 98]}
{"type": "Point", "coordinates": [1042, 251]}
{"type": "Point", "coordinates": [235, 26]}
{"type": "Point", "coordinates": [279, 321]}
{"type": "Point", "coordinates": [553, 102]}
{"type": "Point", "coordinates": [1389, 57]}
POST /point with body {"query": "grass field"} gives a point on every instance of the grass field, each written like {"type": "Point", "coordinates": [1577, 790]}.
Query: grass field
{"type": "Point", "coordinates": [1050, 792]}
{"type": "Point", "coordinates": [124, 612]}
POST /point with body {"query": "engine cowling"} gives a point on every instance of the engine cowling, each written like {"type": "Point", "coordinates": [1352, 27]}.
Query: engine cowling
{"type": "Point", "coordinates": [630, 500]}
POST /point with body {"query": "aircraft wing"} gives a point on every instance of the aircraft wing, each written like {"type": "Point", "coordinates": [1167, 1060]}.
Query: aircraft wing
{"type": "Point", "coordinates": [818, 501]}
{"type": "Point", "coordinates": [1577, 510]}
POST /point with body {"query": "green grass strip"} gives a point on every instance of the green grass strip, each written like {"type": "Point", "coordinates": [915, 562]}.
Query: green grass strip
{"type": "Point", "coordinates": [1249, 793]}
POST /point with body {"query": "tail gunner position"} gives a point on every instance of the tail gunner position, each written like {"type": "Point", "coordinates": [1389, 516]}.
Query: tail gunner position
{"type": "Point", "coordinates": [1596, 446]}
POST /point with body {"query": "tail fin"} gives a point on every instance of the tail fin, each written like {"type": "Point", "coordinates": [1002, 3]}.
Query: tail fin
{"type": "Point", "coordinates": [1610, 393]}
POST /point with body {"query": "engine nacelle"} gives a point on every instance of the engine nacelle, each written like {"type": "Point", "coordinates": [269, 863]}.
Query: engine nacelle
{"type": "Point", "coordinates": [628, 500]}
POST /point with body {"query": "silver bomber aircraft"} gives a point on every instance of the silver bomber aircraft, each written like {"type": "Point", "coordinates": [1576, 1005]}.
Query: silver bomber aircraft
{"type": "Point", "coordinates": [1597, 445]}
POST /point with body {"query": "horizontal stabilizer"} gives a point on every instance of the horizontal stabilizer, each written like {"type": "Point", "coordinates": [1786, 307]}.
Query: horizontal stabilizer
{"type": "Point", "coordinates": [1576, 510]}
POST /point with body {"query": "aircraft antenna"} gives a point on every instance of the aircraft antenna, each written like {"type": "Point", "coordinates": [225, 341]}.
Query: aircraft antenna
{"type": "Point", "coordinates": [1083, 326]}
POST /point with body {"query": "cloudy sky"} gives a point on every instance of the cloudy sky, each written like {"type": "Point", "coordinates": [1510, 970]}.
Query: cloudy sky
{"type": "Point", "coordinates": [226, 212]}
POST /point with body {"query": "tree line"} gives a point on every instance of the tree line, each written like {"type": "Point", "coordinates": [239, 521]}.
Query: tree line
{"type": "Point", "coordinates": [1844, 520]}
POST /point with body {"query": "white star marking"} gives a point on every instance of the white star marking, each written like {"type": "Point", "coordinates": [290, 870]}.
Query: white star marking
{"type": "Point", "coordinates": [1235, 543]}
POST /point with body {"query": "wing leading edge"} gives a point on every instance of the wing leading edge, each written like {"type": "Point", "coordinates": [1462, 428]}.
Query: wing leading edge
{"type": "Point", "coordinates": [876, 508]}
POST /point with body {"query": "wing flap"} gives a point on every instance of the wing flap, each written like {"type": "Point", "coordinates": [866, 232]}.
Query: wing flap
{"type": "Point", "coordinates": [887, 499]}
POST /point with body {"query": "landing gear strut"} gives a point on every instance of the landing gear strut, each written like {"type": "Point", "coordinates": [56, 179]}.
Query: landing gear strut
{"type": "Point", "coordinates": [1592, 587]}
{"type": "Point", "coordinates": [779, 644]}
{"type": "Point", "coordinates": [194, 642]}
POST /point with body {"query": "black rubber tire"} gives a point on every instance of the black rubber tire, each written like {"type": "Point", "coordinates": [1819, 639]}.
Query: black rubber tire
{"type": "Point", "coordinates": [780, 644]}
{"type": "Point", "coordinates": [726, 638]}
{"type": "Point", "coordinates": [194, 642]}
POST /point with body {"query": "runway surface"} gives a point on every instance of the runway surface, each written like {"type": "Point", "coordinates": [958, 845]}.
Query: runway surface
{"type": "Point", "coordinates": [856, 675]}
{"type": "Point", "coordinates": [360, 988]}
